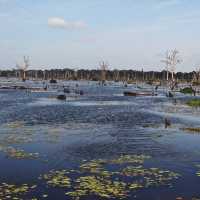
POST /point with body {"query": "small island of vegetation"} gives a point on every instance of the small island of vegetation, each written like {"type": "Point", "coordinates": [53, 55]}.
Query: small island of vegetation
{"type": "Point", "coordinates": [194, 103]}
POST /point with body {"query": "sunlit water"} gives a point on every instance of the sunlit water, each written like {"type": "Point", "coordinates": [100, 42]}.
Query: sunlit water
{"type": "Point", "coordinates": [101, 124]}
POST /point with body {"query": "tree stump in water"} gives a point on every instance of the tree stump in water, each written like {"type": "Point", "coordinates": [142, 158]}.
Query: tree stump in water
{"type": "Point", "coordinates": [167, 123]}
{"type": "Point", "coordinates": [61, 97]}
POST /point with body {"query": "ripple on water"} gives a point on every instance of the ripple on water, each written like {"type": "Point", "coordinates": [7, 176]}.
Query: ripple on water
{"type": "Point", "coordinates": [73, 101]}
{"type": "Point", "coordinates": [100, 125]}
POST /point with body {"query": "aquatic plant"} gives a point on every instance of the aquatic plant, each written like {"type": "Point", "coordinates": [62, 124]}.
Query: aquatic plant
{"type": "Point", "coordinates": [95, 177]}
{"type": "Point", "coordinates": [192, 129]}
{"type": "Point", "coordinates": [139, 159]}
{"type": "Point", "coordinates": [15, 124]}
{"type": "Point", "coordinates": [198, 171]}
{"type": "Point", "coordinates": [95, 167]}
{"type": "Point", "coordinates": [194, 103]}
{"type": "Point", "coordinates": [135, 186]}
{"type": "Point", "coordinates": [11, 191]}
{"type": "Point", "coordinates": [94, 185]}
{"type": "Point", "coordinates": [20, 154]}
{"type": "Point", "coordinates": [187, 90]}
{"type": "Point", "coordinates": [16, 139]}
{"type": "Point", "coordinates": [57, 178]}
{"type": "Point", "coordinates": [150, 176]}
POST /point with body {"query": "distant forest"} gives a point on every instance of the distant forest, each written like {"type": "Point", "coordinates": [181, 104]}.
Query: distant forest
{"type": "Point", "coordinates": [96, 75]}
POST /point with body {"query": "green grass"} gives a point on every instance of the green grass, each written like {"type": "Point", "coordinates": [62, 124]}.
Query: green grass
{"type": "Point", "coordinates": [194, 103]}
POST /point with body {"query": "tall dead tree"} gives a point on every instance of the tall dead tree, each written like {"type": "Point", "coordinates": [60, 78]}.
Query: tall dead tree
{"type": "Point", "coordinates": [174, 60]}
{"type": "Point", "coordinates": [24, 67]}
{"type": "Point", "coordinates": [103, 68]}
{"type": "Point", "coordinates": [171, 60]}
{"type": "Point", "coordinates": [167, 63]}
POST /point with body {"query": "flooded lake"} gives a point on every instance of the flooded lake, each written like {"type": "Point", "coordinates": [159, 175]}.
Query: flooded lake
{"type": "Point", "coordinates": [101, 145]}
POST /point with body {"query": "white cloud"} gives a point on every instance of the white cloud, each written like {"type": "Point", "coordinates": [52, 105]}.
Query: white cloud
{"type": "Point", "coordinates": [57, 22]}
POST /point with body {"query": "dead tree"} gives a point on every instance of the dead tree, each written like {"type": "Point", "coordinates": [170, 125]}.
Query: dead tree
{"type": "Point", "coordinates": [103, 68]}
{"type": "Point", "coordinates": [171, 60]}
{"type": "Point", "coordinates": [167, 62]}
{"type": "Point", "coordinates": [24, 67]}
{"type": "Point", "coordinates": [174, 60]}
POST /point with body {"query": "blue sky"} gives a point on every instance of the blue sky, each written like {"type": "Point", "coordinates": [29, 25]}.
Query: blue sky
{"type": "Point", "coordinates": [131, 34]}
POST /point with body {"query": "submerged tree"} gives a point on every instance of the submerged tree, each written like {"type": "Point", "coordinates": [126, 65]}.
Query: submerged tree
{"type": "Point", "coordinates": [171, 60]}
{"type": "Point", "coordinates": [103, 68]}
{"type": "Point", "coordinates": [167, 62]}
{"type": "Point", "coordinates": [23, 68]}
{"type": "Point", "coordinates": [174, 60]}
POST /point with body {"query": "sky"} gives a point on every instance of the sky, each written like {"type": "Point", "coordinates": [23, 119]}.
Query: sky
{"type": "Point", "coordinates": [127, 34]}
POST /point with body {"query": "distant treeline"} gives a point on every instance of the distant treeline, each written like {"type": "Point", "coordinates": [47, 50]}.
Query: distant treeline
{"type": "Point", "coordinates": [96, 75]}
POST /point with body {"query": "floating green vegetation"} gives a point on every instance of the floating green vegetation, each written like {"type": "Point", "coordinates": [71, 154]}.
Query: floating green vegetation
{"type": "Point", "coordinates": [150, 177]}
{"type": "Point", "coordinates": [182, 198]}
{"type": "Point", "coordinates": [194, 103]}
{"type": "Point", "coordinates": [15, 124]}
{"type": "Point", "coordinates": [135, 186]}
{"type": "Point", "coordinates": [9, 191]}
{"type": "Point", "coordinates": [16, 133]}
{"type": "Point", "coordinates": [95, 177]}
{"type": "Point", "coordinates": [187, 90]}
{"type": "Point", "coordinates": [125, 159]}
{"type": "Point", "coordinates": [95, 167]}
{"type": "Point", "coordinates": [98, 186]}
{"type": "Point", "coordinates": [98, 166]}
{"type": "Point", "coordinates": [198, 172]}
{"type": "Point", "coordinates": [20, 154]}
{"type": "Point", "coordinates": [193, 130]}
{"type": "Point", "coordinates": [58, 179]}
{"type": "Point", "coordinates": [16, 139]}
